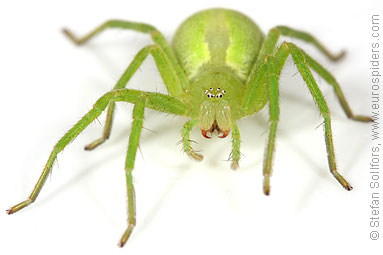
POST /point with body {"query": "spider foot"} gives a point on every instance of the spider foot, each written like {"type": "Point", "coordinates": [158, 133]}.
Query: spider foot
{"type": "Point", "coordinates": [338, 56]}
{"type": "Point", "coordinates": [126, 235]}
{"type": "Point", "coordinates": [266, 185]}
{"type": "Point", "coordinates": [19, 206]}
{"type": "Point", "coordinates": [342, 180]}
{"type": "Point", "coordinates": [234, 165]}
{"type": "Point", "coordinates": [363, 118]}
{"type": "Point", "coordinates": [94, 144]}
{"type": "Point", "coordinates": [71, 36]}
{"type": "Point", "coordinates": [196, 156]}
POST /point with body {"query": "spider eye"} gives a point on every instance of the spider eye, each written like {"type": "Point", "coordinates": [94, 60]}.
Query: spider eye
{"type": "Point", "coordinates": [218, 94]}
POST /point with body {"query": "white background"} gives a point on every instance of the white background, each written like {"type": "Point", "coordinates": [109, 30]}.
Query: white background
{"type": "Point", "coordinates": [183, 207]}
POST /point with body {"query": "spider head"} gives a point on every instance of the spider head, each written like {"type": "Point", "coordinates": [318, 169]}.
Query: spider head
{"type": "Point", "coordinates": [215, 113]}
{"type": "Point", "coordinates": [217, 93]}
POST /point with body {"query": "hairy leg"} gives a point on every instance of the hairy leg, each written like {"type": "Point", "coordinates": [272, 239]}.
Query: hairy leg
{"type": "Point", "coordinates": [257, 76]}
{"type": "Point", "coordinates": [138, 117]}
{"type": "Point", "coordinates": [302, 35]}
{"type": "Point", "coordinates": [338, 91]}
{"type": "Point", "coordinates": [236, 142]}
{"type": "Point", "coordinates": [299, 59]}
{"type": "Point", "coordinates": [273, 77]}
{"type": "Point", "coordinates": [155, 101]}
{"type": "Point", "coordinates": [156, 35]}
{"type": "Point", "coordinates": [167, 73]}
{"type": "Point", "coordinates": [186, 140]}
{"type": "Point", "coordinates": [303, 62]}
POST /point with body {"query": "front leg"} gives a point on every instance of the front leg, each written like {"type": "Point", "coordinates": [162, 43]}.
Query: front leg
{"type": "Point", "coordinates": [167, 72]}
{"type": "Point", "coordinates": [303, 67]}
{"type": "Point", "coordinates": [98, 108]}
{"type": "Point", "coordinates": [273, 77]}
{"type": "Point", "coordinates": [300, 61]}
{"type": "Point", "coordinates": [154, 101]}
{"type": "Point", "coordinates": [138, 117]}
{"type": "Point", "coordinates": [255, 79]}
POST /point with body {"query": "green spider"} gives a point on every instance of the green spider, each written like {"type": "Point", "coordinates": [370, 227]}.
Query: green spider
{"type": "Point", "coordinates": [220, 68]}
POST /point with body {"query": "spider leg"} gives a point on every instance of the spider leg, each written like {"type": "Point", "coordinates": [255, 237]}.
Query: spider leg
{"type": "Point", "coordinates": [186, 140]}
{"type": "Point", "coordinates": [156, 101]}
{"type": "Point", "coordinates": [273, 77]}
{"type": "Point", "coordinates": [338, 91]}
{"type": "Point", "coordinates": [268, 73]}
{"type": "Point", "coordinates": [156, 36]}
{"type": "Point", "coordinates": [256, 96]}
{"type": "Point", "coordinates": [290, 32]}
{"type": "Point", "coordinates": [258, 93]}
{"type": "Point", "coordinates": [303, 68]}
{"type": "Point", "coordinates": [167, 73]}
{"type": "Point", "coordinates": [256, 82]}
{"type": "Point", "coordinates": [286, 31]}
{"type": "Point", "coordinates": [138, 116]}
{"type": "Point", "coordinates": [235, 152]}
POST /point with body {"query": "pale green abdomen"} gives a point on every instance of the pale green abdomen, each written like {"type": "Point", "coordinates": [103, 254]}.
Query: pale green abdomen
{"type": "Point", "coordinates": [217, 37]}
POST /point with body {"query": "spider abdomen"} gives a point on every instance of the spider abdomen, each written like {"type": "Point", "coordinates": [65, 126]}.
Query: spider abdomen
{"type": "Point", "coordinates": [217, 37]}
